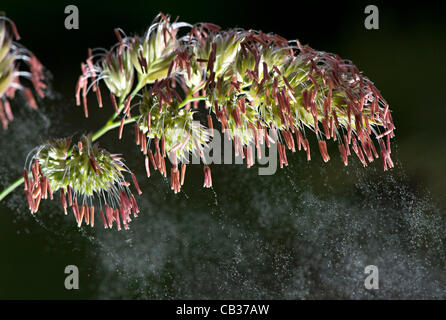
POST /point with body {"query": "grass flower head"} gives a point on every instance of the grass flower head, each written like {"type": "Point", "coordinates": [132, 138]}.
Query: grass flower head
{"type": "Point", "coordinates": [86, 176]}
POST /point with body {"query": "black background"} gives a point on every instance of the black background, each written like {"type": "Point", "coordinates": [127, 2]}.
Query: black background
{"type": "Point", "coordinates": [405, 59]}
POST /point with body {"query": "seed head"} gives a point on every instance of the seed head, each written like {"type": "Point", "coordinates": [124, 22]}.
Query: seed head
{"type": "Point", "coordinates": [260, 87]}
{"type": "Point", "coordinates": [87, 175]}
{"type": "Point", "coordinates": [273, 84]}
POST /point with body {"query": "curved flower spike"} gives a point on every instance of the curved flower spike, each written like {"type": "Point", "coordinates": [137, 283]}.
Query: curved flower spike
{"type": "Point", "coordinates": [261, 88]}
{"type": "Point", "coordinates": [11, 54]}
{"type": "Point", "coordinates": [86, 176]}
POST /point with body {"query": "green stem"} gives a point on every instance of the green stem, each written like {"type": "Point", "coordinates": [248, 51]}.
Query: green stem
{"type": "Point", "coordinates": [109, 126]}
{"type": "Point", "coordinates": [121, 105]}
{"type": "Point", "coordinates": [11, 187]}
{"type": "Point", "coordinates": [190, 99]}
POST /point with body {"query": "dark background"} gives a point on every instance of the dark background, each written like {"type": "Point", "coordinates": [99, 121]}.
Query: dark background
{"type": "Point", "coordinates": [306, 232]}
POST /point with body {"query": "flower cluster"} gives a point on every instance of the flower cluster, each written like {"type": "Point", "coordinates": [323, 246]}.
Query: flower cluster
{"type": "Point", "coordinates": [256, 85]}
{"type": "Point", "coordinates": [11, 54]}
{"type": "Point", "coordinates": [86, 176]}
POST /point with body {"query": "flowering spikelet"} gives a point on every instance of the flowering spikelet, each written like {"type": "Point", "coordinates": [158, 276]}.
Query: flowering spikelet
{"type": "Point", "coordinates": [85, 176]}
{"type": "Point", "coordinates": [149, 57]}
{"type": "Point", "coordinates": [117, 72]}
{"type": "Point", "coordinates": [260, 87]}
{"type": "Point", "coordinates": [154, 52]}
{"type": "Point", "coordinates": [169, 130]}
{"type": "Point", "coordinates": [11, 54]}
